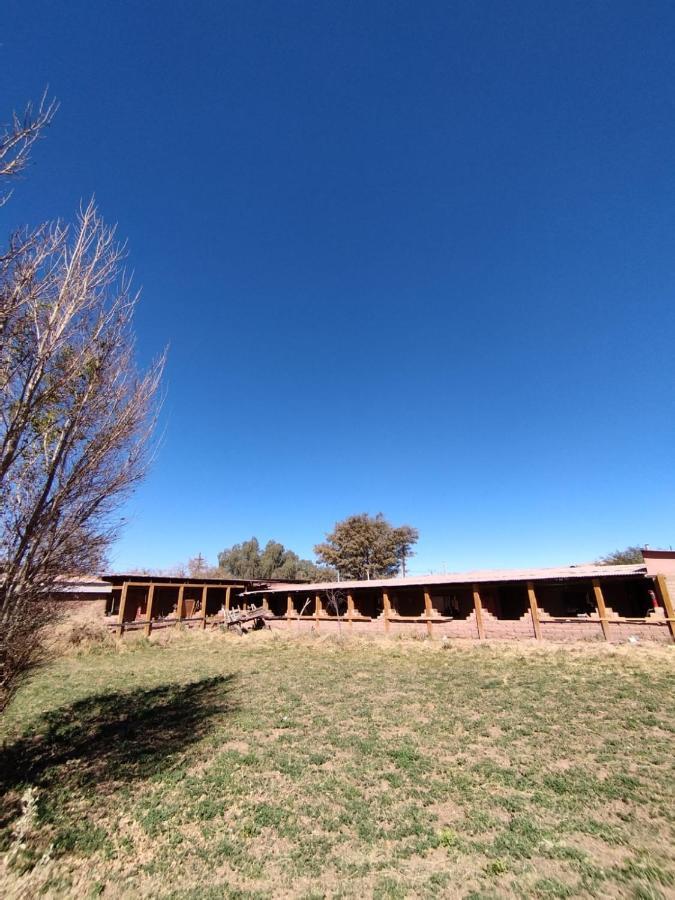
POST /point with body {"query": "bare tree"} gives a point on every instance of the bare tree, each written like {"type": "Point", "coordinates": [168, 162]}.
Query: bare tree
{"type": "Point", "coordinates": [335, 600]}
{"type": "Point", "coordinates": [76, 417]}
{"type": "Point", "coordinates": [299, 615]}
{"type": "Point", "coordinates": [198, 567]}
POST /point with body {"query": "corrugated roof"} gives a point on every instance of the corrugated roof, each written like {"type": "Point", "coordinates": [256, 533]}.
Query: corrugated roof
{"type": "Point", "coordinates": [480, 576]}
{"type": "Point", "coordinates": [118, 578]}
{"type": "Point", "coordinates": [81, 584]}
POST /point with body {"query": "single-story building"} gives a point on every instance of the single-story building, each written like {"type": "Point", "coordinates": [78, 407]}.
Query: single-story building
{"type": "Point", "coordinates": [584, 602]}
{"type": "Point", "coordinates": [587, 602]}
{"type": "Point", "coordinates": [152, 601]}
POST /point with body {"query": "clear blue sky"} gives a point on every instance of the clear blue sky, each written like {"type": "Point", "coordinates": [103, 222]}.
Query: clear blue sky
{"type": "Point", "coordinates": [409, 257]}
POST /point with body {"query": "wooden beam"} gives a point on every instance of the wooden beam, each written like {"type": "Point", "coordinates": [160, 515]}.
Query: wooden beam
{"type": "Point", "coordinates": [228, 592]}
{"type": "Point", "coordinates": [265, 602]}
{"type": "Point", "coordinates": [664, 596]}
{"type": "Point", "coordinates": [186, 583]}
{"type": "Point", "coordinates": [387, 609]}
{"type": "Point", "coordinates": [350, 609]}
{"type": "Point", "coordinates": [148, 610]}
{"type": "Point", "coordinates": [602, 609]}
{"type": "Point", "coordinates": [428, 612]}
{"type": "Point", "coordinates": [290, 609]}
{"type": "Point", "coordinates": [138, 583]}
{"type": "Point", "coordinates": [318, 609]}
{"type": "Point", "coordinates": [123, 603]}
{"type": "Point", "coordinates": [204, 596]}
{"type": "Point", "coordinates": [534, 610]}
{"type": "Point", "coordinates": [478, 606]}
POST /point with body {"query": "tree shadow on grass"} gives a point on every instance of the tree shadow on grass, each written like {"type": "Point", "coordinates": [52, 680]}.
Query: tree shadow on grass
{"type": "Point", "coordinates": [107, 739]}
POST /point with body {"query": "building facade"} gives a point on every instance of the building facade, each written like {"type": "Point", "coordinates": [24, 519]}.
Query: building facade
{"type": "Point", "coordinates": [612, 603]}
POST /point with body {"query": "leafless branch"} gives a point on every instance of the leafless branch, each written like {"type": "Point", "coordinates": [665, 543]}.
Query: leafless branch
{"type": "Point", "coordinates": [335, 600]}
{"type": "Point", "coordinates": [18, 136]}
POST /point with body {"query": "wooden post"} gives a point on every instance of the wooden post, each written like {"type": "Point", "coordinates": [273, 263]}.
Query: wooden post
{"type": "Point", "coordinates": [123, 603]}
{"type": "Point", "coordinates": [265, 602]}
{"type": "Point", "coordinates": [350, 609]}
{"type": "Point", "coordinates": [204, 592]}
{"type": "Point", "coordinates": [115, 595]}
{"type": "Point", "coordinates": [387, 609]}
{"type": "Point", "coordinates": [478, 606]}
{"type": "Point", "coordinates": [428, 612]}
{"type": "Point", "coordinates": [148, 610]}
{"type": "Point", "coordinates": [228, 592]}
{"type": "Point", "coordinates": [318, 609]}
{"type": "Point", "coordinates": [534, 609]}
{"type": "Point", "coordinates": [180, 608]}
{"type": "Point", "coordinates": [664, 595]}
{"type": "Point", "coordinates": [289, 606]}
{"type": "Point", "coordinates": [602, 609]}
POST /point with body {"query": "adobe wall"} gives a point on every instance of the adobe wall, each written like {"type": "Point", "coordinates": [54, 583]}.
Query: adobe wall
{"type": "Point", "coordinates": [511, 629]}
{"type": "Point", "coordinates": [652, 631]}
{"type": "Point", "coordinates": [457, 628]}
{"type": "Point", "coordinates": [573, 630]}
{"type": "Point", "coordinates": [655, 628]}
{"type": "Point", "coordinates": [660, 562]}
{"type": "Point", "coordinates": [83, 609]}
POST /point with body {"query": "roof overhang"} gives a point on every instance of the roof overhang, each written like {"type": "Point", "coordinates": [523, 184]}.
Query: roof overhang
{"type": "Point", "coordinates": [483, 576]}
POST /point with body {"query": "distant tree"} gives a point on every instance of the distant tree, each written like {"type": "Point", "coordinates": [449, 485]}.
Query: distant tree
{"type": "Point", "coordinates": [198, 567]}
{"type": "Point", "coordinates": [247, 560]}
{"type": "Point", "coordinates": [241, 560]}
{"type": "Point", "coordinates": [365, 547]}
{"type": "Point", "coordinates": [309, 571]}
{"type": "Point", "coordinates": [622, 557]}
{"type": "Point", "coordinates": [176, 571]}
{"type": "Point", "coordinates": [404, 538]}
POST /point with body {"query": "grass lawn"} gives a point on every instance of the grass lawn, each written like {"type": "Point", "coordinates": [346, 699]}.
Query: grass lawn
{"type": "Point", "coordinates": [215, 766]}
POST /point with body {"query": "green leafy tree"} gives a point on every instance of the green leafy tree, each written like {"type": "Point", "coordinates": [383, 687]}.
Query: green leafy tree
{"type": "Point", "coordinates": [622, 557]}
{"type": "Point", "coordinates": [365, 547]}
{"type": "Point", "coordinates": [247, 560]}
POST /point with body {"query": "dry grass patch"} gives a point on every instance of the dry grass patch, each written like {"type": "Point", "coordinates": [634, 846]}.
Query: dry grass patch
{"type": "Point", "coordinates": [201, 765]}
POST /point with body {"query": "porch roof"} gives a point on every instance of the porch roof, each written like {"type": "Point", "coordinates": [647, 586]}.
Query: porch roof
{"type": "Point", "coordinates": [480, 576]}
